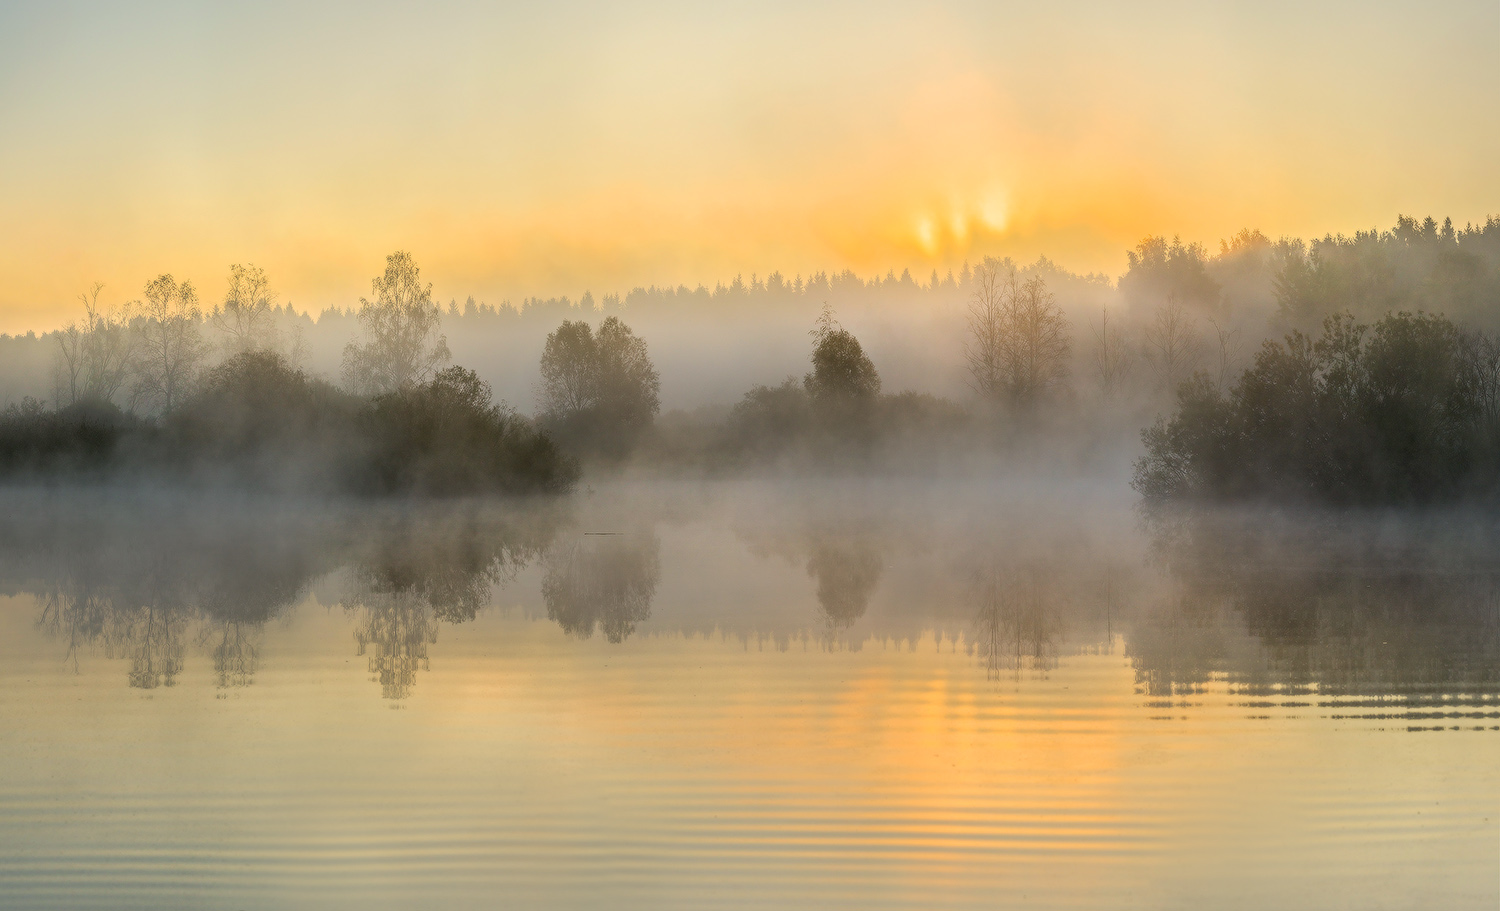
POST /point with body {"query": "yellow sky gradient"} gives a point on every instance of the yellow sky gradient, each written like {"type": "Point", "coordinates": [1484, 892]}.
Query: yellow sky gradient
{"type": "Point", "coordinates": [549, 151]}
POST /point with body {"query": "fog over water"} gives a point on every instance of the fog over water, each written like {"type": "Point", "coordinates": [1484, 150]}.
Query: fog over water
{"type": "Point", "coordinates": [771, 456]}
{"type": "Point", "coordinates": [1015, 692]}
{"type": "Point", "coordinates": [833, 593]}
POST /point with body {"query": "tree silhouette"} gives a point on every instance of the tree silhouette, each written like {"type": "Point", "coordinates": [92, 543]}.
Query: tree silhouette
{"type": "Point", "coordinates": [403, 344]}
{"type": "Point", "coordinates": [247, 316]}
{"type": "Point", "coordinates": [95, 357]}
{"type": "Point", "coordinates": [171, 342]}
{"type": "Point", "coordinates": [1018, 341]}
{"type": "Point", "coordinates": [599, 392]}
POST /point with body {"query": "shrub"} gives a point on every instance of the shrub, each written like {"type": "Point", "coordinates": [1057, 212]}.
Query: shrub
{"type": "Point", "coordinates": [84, 437]}
{"type": "Point", "coordinates": [445, 437]}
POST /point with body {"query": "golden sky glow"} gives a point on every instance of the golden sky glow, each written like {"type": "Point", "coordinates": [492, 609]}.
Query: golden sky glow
{"type": "Point", "coordinates": [566, 147]}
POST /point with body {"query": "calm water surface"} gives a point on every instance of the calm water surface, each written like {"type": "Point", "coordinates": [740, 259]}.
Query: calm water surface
{"type": "Point", "coordinates": [745, 695]}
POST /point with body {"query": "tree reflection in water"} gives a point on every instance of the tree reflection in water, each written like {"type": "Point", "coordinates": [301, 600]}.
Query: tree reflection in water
{"type": "Point", "coordinates": [236, 654]}
{"type": "Point", "coordinates": [421, 568]}
{"type": "Point", "coordinates": [1353, 607]}
{"type": "Point", "coordinates": [1344, 604]}
{"type": "Point", "coordinates": [395, 631]}
{"type": "Point", "coordinates": [847, 569]}
{"type": "Point", "coordinates": [602, 580]}
{"type": "Point", "coordinates": [1017, 618]}
{"type": "Point", "coordinates": [134, 577]}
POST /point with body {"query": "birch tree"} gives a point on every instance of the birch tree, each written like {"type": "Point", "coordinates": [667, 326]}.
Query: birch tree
{"type": "Point", "coordinates": [403, 345]}
{"type": "Point", "coordinates": [171, 342]}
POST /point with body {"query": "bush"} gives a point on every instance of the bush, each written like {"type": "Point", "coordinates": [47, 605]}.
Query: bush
{"type": "Point", "coordinates": [257, 417]}
{"type": "Point", "coordinates": [258, 422]}
{"type": "Point", "coordinates": [446, 437]}
{"type": "Point", "coordinates": [768, 420]}
{"type": "Point", "coordinates": [84, 437]}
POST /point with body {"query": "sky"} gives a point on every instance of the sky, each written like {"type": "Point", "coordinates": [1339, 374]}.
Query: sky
{"type": "Point", "coordinates": [553, 148]}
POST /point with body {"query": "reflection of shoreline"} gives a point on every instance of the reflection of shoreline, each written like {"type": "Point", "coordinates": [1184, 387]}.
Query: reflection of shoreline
{"type": "Point", "coordinates": [133, 577]}
{"type": "Point", "coordinates": [1343, 606]}
{"type": "Point", "coordinates": [601, 580]}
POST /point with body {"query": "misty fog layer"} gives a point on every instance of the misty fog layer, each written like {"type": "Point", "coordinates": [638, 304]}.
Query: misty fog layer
{"type": "Point", "coordinates": [1019, 362]}
{"type": "Point", "coordinates": [1019, 576]}
{"type": "Point", "coordinates": [768, 683]}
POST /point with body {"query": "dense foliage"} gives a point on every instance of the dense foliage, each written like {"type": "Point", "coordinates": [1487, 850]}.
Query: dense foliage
{"type": "Point", "coordinates": [599, 391]}
{"type": "Point", "coordinates": [256, 421]}
{"type": "Point", "coordinates": [81, 439]}
{"type": "Point", "coordinates": [836, 410]}
{"type": "Point", "coordinates": [445, 437]}
{"type": "Point", "coordinates": [1413, 266]}
{"type": "Point", "coordinates": [1406, 411]}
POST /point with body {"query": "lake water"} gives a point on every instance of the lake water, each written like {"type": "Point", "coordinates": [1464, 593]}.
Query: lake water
{"type": "Point", "coordinates": [834, 695]}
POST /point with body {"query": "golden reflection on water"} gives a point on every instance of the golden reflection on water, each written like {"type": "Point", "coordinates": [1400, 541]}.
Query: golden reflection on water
{"type": "Point", "coordinates": [818, 713]}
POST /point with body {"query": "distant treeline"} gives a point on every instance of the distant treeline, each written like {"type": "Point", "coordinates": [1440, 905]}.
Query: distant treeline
{"type": "Point", "coordinates": [1178, 307]}
{"type": "Point", "coordinates": [162, 381]}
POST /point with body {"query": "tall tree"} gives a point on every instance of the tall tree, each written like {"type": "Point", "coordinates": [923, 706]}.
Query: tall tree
{"type": "Point", "coordinates": [403, 343]}
{"type": "Point", "coordinates": [1173, 346]}
{"type": "Point", "coordinates": [1037, 355]}
{"type": "Point", "coordinates": [171, 342]}
{"type": "Point", "coordinates": [985, 350]}
{"type": "Point", "coordinates": [599, 390]}
{"type": "Point", "coordinates": [842, 375]}
{"type": "Point", "coordinates": [95, 355]}
{"type": "Point", "coordinates": [1112, 358]}
{"type": "Point", "coordinates": [1018, 337]}
{"type": "Point", "coordinates": [247, 316]}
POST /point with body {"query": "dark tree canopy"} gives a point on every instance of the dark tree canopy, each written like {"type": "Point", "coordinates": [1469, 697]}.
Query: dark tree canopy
{"type": "Point", "coordinates": [1413, 266]}
{"type": "Point", "coordinates": [255, 421]}
{"type": "Point", "coordinates": [446, 437]}
{"type": "Point", "coordinates": [1159, 270]}
{"type": "Point", "coordinates": [599, 392]}
{"type": "Point", "coordinates": [1406, 411]}
{"type": "Point", "coordinates": [843, 379]}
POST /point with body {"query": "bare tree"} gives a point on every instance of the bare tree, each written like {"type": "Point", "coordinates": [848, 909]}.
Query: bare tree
{"type": "Point", "coordinates": [404, 345]}
{"type": "Point", "coordinates": [94, 356]}
{"type": "Point", "coordinates": [247, 316]}
{"type": "Point", "coordinates": [985, 350]}
{"type": "Point", "coordinates": [68, 372]}
{"type": "Point", "coordinates": [1173, 347]}
{"type": "Point", "coordinates": [1112, 356]}
{"type": "Point", "coordinates": [1227, 353]}
{"type": "Point", "coordinates": [1038, 351]}
{"type": "Point", "coordinates": [1018, 337]}
{"type": "Point", "coordinates": [171, 342]}
{"type": "Point", "coordinates": [1482, 357]}
{"type": "Point", "coordinates": [1016, 623]}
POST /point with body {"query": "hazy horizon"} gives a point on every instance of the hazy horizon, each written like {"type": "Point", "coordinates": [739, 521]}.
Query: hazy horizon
{"type": "Point", "coordinates": [542, 153]}
{"type": "Point", "coordinates": [661, 455]}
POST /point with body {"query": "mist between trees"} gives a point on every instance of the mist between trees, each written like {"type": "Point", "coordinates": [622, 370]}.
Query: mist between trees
{"type": "Point", "coordinates": [1348, 606]}
{"type": "Point", "coordinates": [826, 372]}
